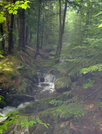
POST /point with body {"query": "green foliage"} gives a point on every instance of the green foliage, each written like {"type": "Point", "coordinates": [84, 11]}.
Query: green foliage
{"type": "Point", "coordinates": [23, 120]}
{"type": "Point", "coordinates": [1, 56]}
{"type": "Point", "coordinates": [89, 83]}
{"type": "Point", "coordinates": [100, 13]}
{"type": "Point", "coordinates": [13, 7]}
{"type": "Point", "coordinates": [63, 82]}
{"type": "Point", "coordinates": [2, 18]}
{"type": "Point", "coordinates": [97, 67]}
{"type": "Point", "coordinates": [1, 97]}
{"type": "Point", "coordinates": [100, 104]}
{"type": "Point", "coordinates": [68, 108]}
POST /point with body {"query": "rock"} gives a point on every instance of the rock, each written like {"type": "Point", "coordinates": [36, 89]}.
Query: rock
{"type": "Point", "coordinates": [42, 79]}
{"type": "Point", "coordinates": [63, 84]}
{"type": "Point", "coordinates": [15, 100]}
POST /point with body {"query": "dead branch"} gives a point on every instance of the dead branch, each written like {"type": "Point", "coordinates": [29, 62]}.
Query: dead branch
{"type": "Point", "coordinates": [24, 60]}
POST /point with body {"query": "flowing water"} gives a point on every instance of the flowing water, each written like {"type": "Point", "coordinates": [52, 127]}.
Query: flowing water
{"type": "Point", "coordinates": [45, 88]}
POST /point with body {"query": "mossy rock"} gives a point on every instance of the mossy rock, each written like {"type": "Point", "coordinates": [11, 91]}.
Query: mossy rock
{"type": "Point", "coordinates": [63, 84]}
{"type": "Point", "coordinates": [37, 106]}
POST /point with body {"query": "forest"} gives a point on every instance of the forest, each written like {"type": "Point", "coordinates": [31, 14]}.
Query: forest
{"type": "Point", "coordinates": [50, 67]}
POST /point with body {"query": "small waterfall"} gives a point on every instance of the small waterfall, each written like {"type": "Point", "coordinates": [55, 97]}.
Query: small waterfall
{"type": "Point", "coordinates": [7, 109]}
{"type": "Point", "coordinates": [47, 84]}
{"type": "Point", "coordinates": [45, 87]}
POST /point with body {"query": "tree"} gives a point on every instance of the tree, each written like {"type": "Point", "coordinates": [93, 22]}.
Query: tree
{"type": "Point", "coordinates": [61, 30]}
{"type": "Point", "coordinates": [22, 30]}
{"type": "Point", "coordinates": [7, 18]}
{"type": "Point", "coordinates": [37, 46]}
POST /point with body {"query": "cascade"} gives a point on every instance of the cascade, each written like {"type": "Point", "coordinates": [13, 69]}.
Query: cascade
{"type": "Point", "coordinates": [45, 88]}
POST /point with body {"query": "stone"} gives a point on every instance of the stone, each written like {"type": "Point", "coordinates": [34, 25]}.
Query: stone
{"type": "Point", "coordinates": [63, 84]}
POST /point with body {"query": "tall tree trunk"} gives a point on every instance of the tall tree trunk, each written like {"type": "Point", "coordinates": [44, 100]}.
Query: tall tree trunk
{"type": "Point", "coordinates": [37, 46]}
{"type": "Point", "coordinates": [17, 29]}
{"type": "Point", "coordinates": [5, 29]}
{"type": "Point", "coordinates": [42, 35]}
{"type": "Point", "coordinates": [42, 31]}
{"type": "Point", "coordinates": [61, 31]}
{"type": "Point", "coordinates": [26, 36]}
{"type": "Point", "coordinates": [22, 30]}
{"type": "Point", "coordinates": [30, 36]}
{"type": "Point", "coordinates": [10, 31]}
{"type": "Point", "coordinates": [10, 40]}
{"type": "Point", "coordinates": [2, 43]}
{"type": "Point", "coordinates": [87, 17]}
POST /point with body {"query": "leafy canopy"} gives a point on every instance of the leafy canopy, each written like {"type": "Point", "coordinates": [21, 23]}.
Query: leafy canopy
{"type": "Point", "coordinates": [12, 8]}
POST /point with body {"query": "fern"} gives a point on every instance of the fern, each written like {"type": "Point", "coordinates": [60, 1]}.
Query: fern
{"type": "Point", "coordinates": [89, 84]}
{"type": "Point", "coordinates": [97, 67]}
{"type": "Point", "coordinates": [68, 107]}
{"type": "Point", "coordinates": [23, 120]}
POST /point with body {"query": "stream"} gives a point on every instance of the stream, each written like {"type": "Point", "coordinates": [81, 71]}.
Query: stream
{"type": "Point", "coordinates": [44, 88]}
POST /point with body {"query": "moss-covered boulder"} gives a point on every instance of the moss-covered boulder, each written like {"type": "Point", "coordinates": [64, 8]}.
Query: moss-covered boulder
{"type": "Point", "coordinates": [63, 84]}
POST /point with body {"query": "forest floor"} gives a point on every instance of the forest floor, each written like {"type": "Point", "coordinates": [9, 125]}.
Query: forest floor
{"type": "Point", "coordinates": [11, 72]}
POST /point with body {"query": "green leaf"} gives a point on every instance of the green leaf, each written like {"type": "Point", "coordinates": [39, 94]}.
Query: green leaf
{"type": "Point", "coordinates": [1, 56]}
{"type": "Point", "coordinates": [46, 125]}
{"type": "Point", "coordinates": [1, 130]}
{"type": "Point", "coordinates": [3, 127]}
{"type": "Point", "coordinates": [10, 11]}
{"type": "Point", "coordinates": [98, 14]}
{"type": "Point", "coordinates": [100, 26]}
{"type": "Point", "coordinates": [7, 6]}
{"type": "Point", "coordinates": [17, 2]}
{"type": "Point", "coordinates": [39, 121]}
{"type": "Point", "coordinates": [23, 6]}
{"type": "Point", "coordinates": [15, 12]}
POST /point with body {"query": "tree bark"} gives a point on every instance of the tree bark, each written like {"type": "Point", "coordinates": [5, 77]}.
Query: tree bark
{"type": "Point", "coordinates": [22, 30]}
{"type": "Point", "coordinates": [26, 36]}
{"type": "Point", "coordinates": [10, 40]}
{"type": "Point", "coordinates": [30, 36]}
{"type": "Point", "coordinates": [1, 29]}
{"type": "Point", "coordinates": [87, 17]}
{"type": "Point", "coordinates": [5, 31]}
{"type": "Point", "coordinates": [17, 29]}
{"type": "Point", "coordinates": [61, 31]}
{"type": "Point", "coordinates": [10, 31]}
{"type": "Point", "coordinates": [42, 31]}
{"type": "Point", "coordinates": [37, 46]}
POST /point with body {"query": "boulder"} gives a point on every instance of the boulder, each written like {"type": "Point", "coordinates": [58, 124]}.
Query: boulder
{"type": "Point", "coordinates": [15, 100]}
{"type": "Point", "coordinates": [63, 84]}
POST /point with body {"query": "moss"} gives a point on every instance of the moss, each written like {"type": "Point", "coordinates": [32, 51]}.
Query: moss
{"type": "Point", "coordinates": [63, 82]}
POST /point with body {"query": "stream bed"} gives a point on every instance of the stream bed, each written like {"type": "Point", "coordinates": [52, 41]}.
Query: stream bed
{"type": "Point", "coordinates": [44, 88]}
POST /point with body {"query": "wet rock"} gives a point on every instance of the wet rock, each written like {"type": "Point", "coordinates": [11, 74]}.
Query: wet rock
{"type": "Point", "coordinates": [15, 100]}
{"type": "Point", "coordinates": [42, 79]}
